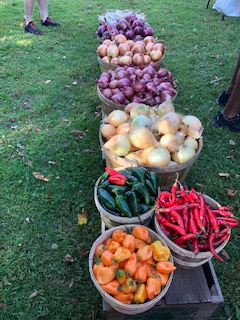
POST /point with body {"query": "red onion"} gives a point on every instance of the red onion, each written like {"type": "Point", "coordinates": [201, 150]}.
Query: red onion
{"type": "Point", "coordinates": [118, 98]}
{"type": "Point", "coordinates": [138, 30]}
{"type": "Point", "coordinates": [137, 23]}
{"type": "Point", "coordinates": [114, 32]}
{"type": "Point", "coordinates": [162, 73]}
{"type": "Point", "coordinates": [107, 93]}
{"type": "Point", "coordinates": [122, 32]}
{"type": "Point", "coordinates": [111, 26]}
{"type": "Point", "coordinates": [149, 99]}
{"type": "Point", "coordinates": [164, 86]}
{"type": "Point", "coordinates": [105, 35]}
{"type": "Point", "coordinates": [131, 18]}
{"type": "Point", "coordinates": [170, 77]}
{"type": "Point", "coordinates": [130, 34]}
{"type": "Point", "coordinates": [116, 91]}
{"type": "Point", "coordinates": [139, 73]}
{"type": "Point", "coordinates": [165, 94]}
{"type": "Point", "coordinates": [105, 74]}
{"type": "Point", "coordinates": [122, 24]}
{"type": "Point", "coordinates": [121, 74]}
{"type": "Point", "coordinates": [147, 31]}
{"type": "Point", "coordinates": [157, 100]}
{"type": "Point", "coordinates": [138, 86]}
{"type": "Point", "coordinates": [102, 84]}
{"type": "Point", "coordinates": [113, 84]}
{"type": "Point", "coordinates": [123, 82]}
{"type": "Point", "coordinates": [138, 37]}
{"type": "Point", "coordinates": [130, 71]}
{"type": "Point", "coordinates": [100, 30]}
{"type": "Point", "coordinates": [147, 77]}
{"type": "Point", "coordinates": [119, 69]}
{"type": "Point", "coordinates": [156, 81]}
{"type": "Point", "coordinates": [128, 92]}
{"type": "Point", "coordinates": [133, 78]}
{"type": "Point", "coordinates": [150, 70]}
{"type": "Point", "coordinates": [150, 87]}
{"type": "Point", "coordinates": [136, 99]}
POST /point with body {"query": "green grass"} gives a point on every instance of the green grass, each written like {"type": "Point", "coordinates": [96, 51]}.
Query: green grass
{"type": "Point", "coordinates": [37, 117]}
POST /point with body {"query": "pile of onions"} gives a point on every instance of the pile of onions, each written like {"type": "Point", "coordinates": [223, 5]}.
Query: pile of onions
{"type": "Point", "coordinates": [130, 26]}
{"type": "Point", "coordinates": [152, 141]}
{"type": "Point", "coordinates": [121, 51]}
{"type": "Point", "coordinates": [142, 85]}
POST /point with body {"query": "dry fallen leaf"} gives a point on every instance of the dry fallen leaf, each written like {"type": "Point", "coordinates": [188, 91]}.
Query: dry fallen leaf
{"type": "Point", "coordinates": [82, 252]}
{"type": "Point", "coordinates": [78, 133]}
{"type": "Point", "coordinates": [231, 192]}
{"type": "Point", "coordinates": [34, 294]}
{"type": "Point", "coordinates": [69, 258]}
{"type": "Point", "coordinates": [40, 176]}
{"type": "Point", "coordinates": [232, 142]}
{"type": "Point", "coordinates": [82, 217]}
{"type": "Point", "coordinates": [28, 163]}
{"type": "Point", "coordinates": [48, 81]}
{"type": "Point", "coordinates": [225, 254]}
{"type": "Point", "coordinates": [225, 175]}
{"type": "Point", "coordinates": [53, 163]}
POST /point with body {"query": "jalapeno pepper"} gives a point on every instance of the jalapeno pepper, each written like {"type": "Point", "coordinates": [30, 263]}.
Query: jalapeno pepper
{"type": "Point", "coordinates": [113, 187]}
{"type": "Point", "coordinates": [154, 178]}
{"type": "Point", "coordinates": [122, 205]}
{"type": "Point", "coordinates": [103, 178]}
{"type": "Point", "coordinates": [142, 190]}
{"type": "Point", "coordinates": [139, 174]}
{"type": "Point", "coordinates": [106, 199]}
{"type": "Point", "coordinates": [133, 202]}
{"type": "Point", "coordinates": [150, 187]}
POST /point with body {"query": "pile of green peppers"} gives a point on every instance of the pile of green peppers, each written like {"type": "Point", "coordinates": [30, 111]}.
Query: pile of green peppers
{"type": "Point", "coordinates": [137, 196]}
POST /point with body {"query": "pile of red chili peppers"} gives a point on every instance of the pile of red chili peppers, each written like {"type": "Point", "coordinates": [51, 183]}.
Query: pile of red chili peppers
{"type": "Point", "coordinates": [187, 219]}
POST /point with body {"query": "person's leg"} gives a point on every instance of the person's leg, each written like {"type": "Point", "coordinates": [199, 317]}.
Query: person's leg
{"type": "Point", "coordinates": [45, 20]}
{"type": "Point", "coordinates": [225, 95]}
{"type": "Point", "coordinates": [28, 10]}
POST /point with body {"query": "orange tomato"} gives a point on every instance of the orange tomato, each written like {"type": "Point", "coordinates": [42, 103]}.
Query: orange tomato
{"type": "Point", "coordinates": [165, 267]}
{"type": "Point", "coordinates": [140, 233]}
{"type": "Point", "coordinates": [126, 298]}
{"type": "Point", "coordinates": [107, 258]}
{"type": "Point", "coordinates": [118, 235]}
{"type": "Point", "coordinates": [111, 287]}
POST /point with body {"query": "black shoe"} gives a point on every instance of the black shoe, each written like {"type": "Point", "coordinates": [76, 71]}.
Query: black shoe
{"type": "Point", "coordinates": [233, 124]}
{"type": "Point", "coordinates": [223, 98]}
{"type": "Point", "coordinates": [49, 23]}
{"type": "Point", "coordinates": [32, 29]}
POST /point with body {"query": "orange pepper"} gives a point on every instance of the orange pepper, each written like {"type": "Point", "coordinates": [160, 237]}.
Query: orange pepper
{"type": "Point", "coordinates": [140, 233]}
{"type": "Point", "coordinates": [145, 252]}
{"type": "Point", "coordinates": [153, 286]}
{"type": "Point", "coordinates": [107, 242]}
{"type": "Point", "coordinates": [129, 242]}
{"type": "Point", "coordinates": [164, 278]}
{"type": "Point", "coordinates": [120, 275]}
{"type": "Point", "coordinates": [141, 294]}
{"type": "Point", "coordinates": [141, 272]}
{"type": "Point", "coordinates": [121, 264]}
{"type": "Point", "coordinates": [118, 235]}
{"type": "Point", "coordinates": [139, 243]}
{"type": "Point", "coordinates": [114, 266]}
{"type": "Point", "coordinates": [129, 286]}
{"type": "Point", "coordinates": [105, 275]}
{"type": "Point", "coordinates": [96, 267]}
{"type": "Point", "coordinates": [165, 267]}
{"type": "Point", "coordinates": [99, 250]}
{"type": "Point", "coordinates": [151, 270]}
{"type": "Point", "coordinates": [113, 246]}
{"type": "Point", "coordinates": [107, 258]}
{"type": "Point", "coordinates": [126, 298]}
{"type": "Point", "coordinates": [111, 287]}
{"type": "Point", "coordinates": [121, 254]}
{"type": "Point", "coordinates": [130, 265]}
{"type": "Point", "coordinates": [160, 252]}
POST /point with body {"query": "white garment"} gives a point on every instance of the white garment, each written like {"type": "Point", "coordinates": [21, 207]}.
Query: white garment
{"type": "Point", "coordinates": [230, 8]}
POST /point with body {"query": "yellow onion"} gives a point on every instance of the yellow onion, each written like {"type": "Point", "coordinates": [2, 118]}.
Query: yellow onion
{"type": "Point", "coordinates": [168, 123]}
{"type": "Point", "coordinates": [139, 108]}
{"type": "Point", "coordinates": [183, 154]}
{"type": "Point", "coordinates": [165, 107]}
{"type": "Point", "coordinates": [156, 157]}
{"type": "Point", "coordinates": [123, 128]}
{"type": "Point", "coordinates": [194, 126]}
{"type": "Point", "coordinates": [191, 142]}
{"type": "Point", "coordinates": [135, 156]}
{"type": "Point", "coordinates": [118, 145]}
{"type": "Point", "coordinates": [107, 130]}
{"type": "Point", "coordinates": [142, 138]}
{"type": "Point", "coordinates": [117, 117]}
{"type": "Point", "coordinates": [141, 121]}
{"type": "Point", "coordinates": [169, 141]}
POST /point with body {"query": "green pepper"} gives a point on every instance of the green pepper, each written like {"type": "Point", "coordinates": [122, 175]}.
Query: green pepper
{"type": "Point", "coordinates": [142, 190]}
{"type": "Point", "coordinates": [139, 174]}
{"type": "Point", "coordinates": [144, 208]}
{"type": "Point", "coordinates": [104, 184]}
{"type": "Point", "coordinates": [130, 178]}
{"type": "Point", "coordinates": [133, 202]}
{"type": "Point", "coordinates": [122, 205]}
{"type": "Point", "coordinates": [113, 187]}
{"type": "Point", "coordinates": [106, 199]}
{"type": "Point", "coordinates": [150, 187]}
{"type": "Point", "coordinates": [154, 178]}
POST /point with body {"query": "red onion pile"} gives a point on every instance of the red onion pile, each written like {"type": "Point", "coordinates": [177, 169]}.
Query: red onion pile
{"type": "Point", "coordinates": [142, 85]}
{"type": "Point", "coordinates": [130, 26]}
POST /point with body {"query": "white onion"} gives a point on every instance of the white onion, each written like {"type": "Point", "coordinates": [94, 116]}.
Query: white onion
{"type": "Point", "coordinates": [194, 126]}
{"type": "Point", "coordinates": [169, 141]}
{"type": "Point", "coordinates": [156, 157]}
{"type": "Point", "coordinates": [165, 107]}
{"type": "Point", "coordinates": [142, 138]}
{"type": "Point", "coordinates": [141, 121]}
{"type": "Point", "coordinates": [117, 117]}
{"type": "Point", "coordinates": [118, 145]}
{"type": "Point", "coordinates": [107, 130]}
{"type": "Point", "coordinates": [183, 154]}
{"type": "Point", "coordinates": [168, 123]}
{"type": "Point", "coordinates": [191, 142]}
{"type": "Point", "coordinates": [123, 128]}
{"type": "Point", "coordinates": [139, 108]}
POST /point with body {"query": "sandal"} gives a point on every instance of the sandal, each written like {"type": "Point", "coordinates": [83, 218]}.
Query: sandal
{"type": "Point", "coordinates": [31, 28]}
{"type": "Point", "coordinates": [223, 98]}
{"type": "Point", "coordinates": [233, 124]}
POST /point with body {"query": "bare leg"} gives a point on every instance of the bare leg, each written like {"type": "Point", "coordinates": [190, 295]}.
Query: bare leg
{"type": "Point", "coordinates": [233, 105]}
{"type": "Point", "coordinates": [28, 10]}
{"type": "Point", "coordinates": [234, 77]}
{"type": "Point", "coordinates": [43, 6]}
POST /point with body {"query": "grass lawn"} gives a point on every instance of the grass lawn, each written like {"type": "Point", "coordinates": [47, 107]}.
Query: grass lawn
{"type": "Point", "coordinates": [49, 121]}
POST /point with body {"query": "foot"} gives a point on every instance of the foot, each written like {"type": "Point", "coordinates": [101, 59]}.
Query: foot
{"type": "Point", "coordinates": [233, 124]}
{"type": "Point", "coordinates": [31, 28]}
{"type": "Point", "coordinates": [49, 23]}
{"type": "Point", "coordinates": [223, 98]}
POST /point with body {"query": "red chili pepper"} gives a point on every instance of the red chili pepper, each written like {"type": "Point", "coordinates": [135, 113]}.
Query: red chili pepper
{"type": "Point", "coordinates": [170, 225]}
{"type": "Point", "coordinates": [227, 214]}
{"type": "Point", "coordinates": [185, 217]}
{"type": "Point", "coordinates": [212, 219]}
{"type": "Point", "coordinates": [231, 222]}
{"type": "Point", "coordinates": [176, 216]}
{"type": "Point", "coordinates": [219, 241]}
{"type": "Point", "coordinates": [193, 196]}
{"type": "Point", "coordinates": [191, 223]}
{"type": "Point", "coordinates": [185, 238]}
{"type": "Point", "coordinates": [179, 207]}
{"type": "Point", "coordinates": [118, 179]}
{"type": "Point", "coordinates": [196, 217]}
{"type": "Point", "coordinates": [165, 199]}
{"type": "Point", "coordinates": [211, 240]}
{"type": "Point", "coordinates": [166, 231]}
{"type": "Point", "coordinates": [113, 172]}
{"type": "Point", "coordinates": [202, 207]}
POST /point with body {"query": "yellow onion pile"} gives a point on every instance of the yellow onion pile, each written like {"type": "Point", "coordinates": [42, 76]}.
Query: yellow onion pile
{"type": "Point", "coordinates": [153, 136]}
{"type": "Point", "coordinates": [122, 51]}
